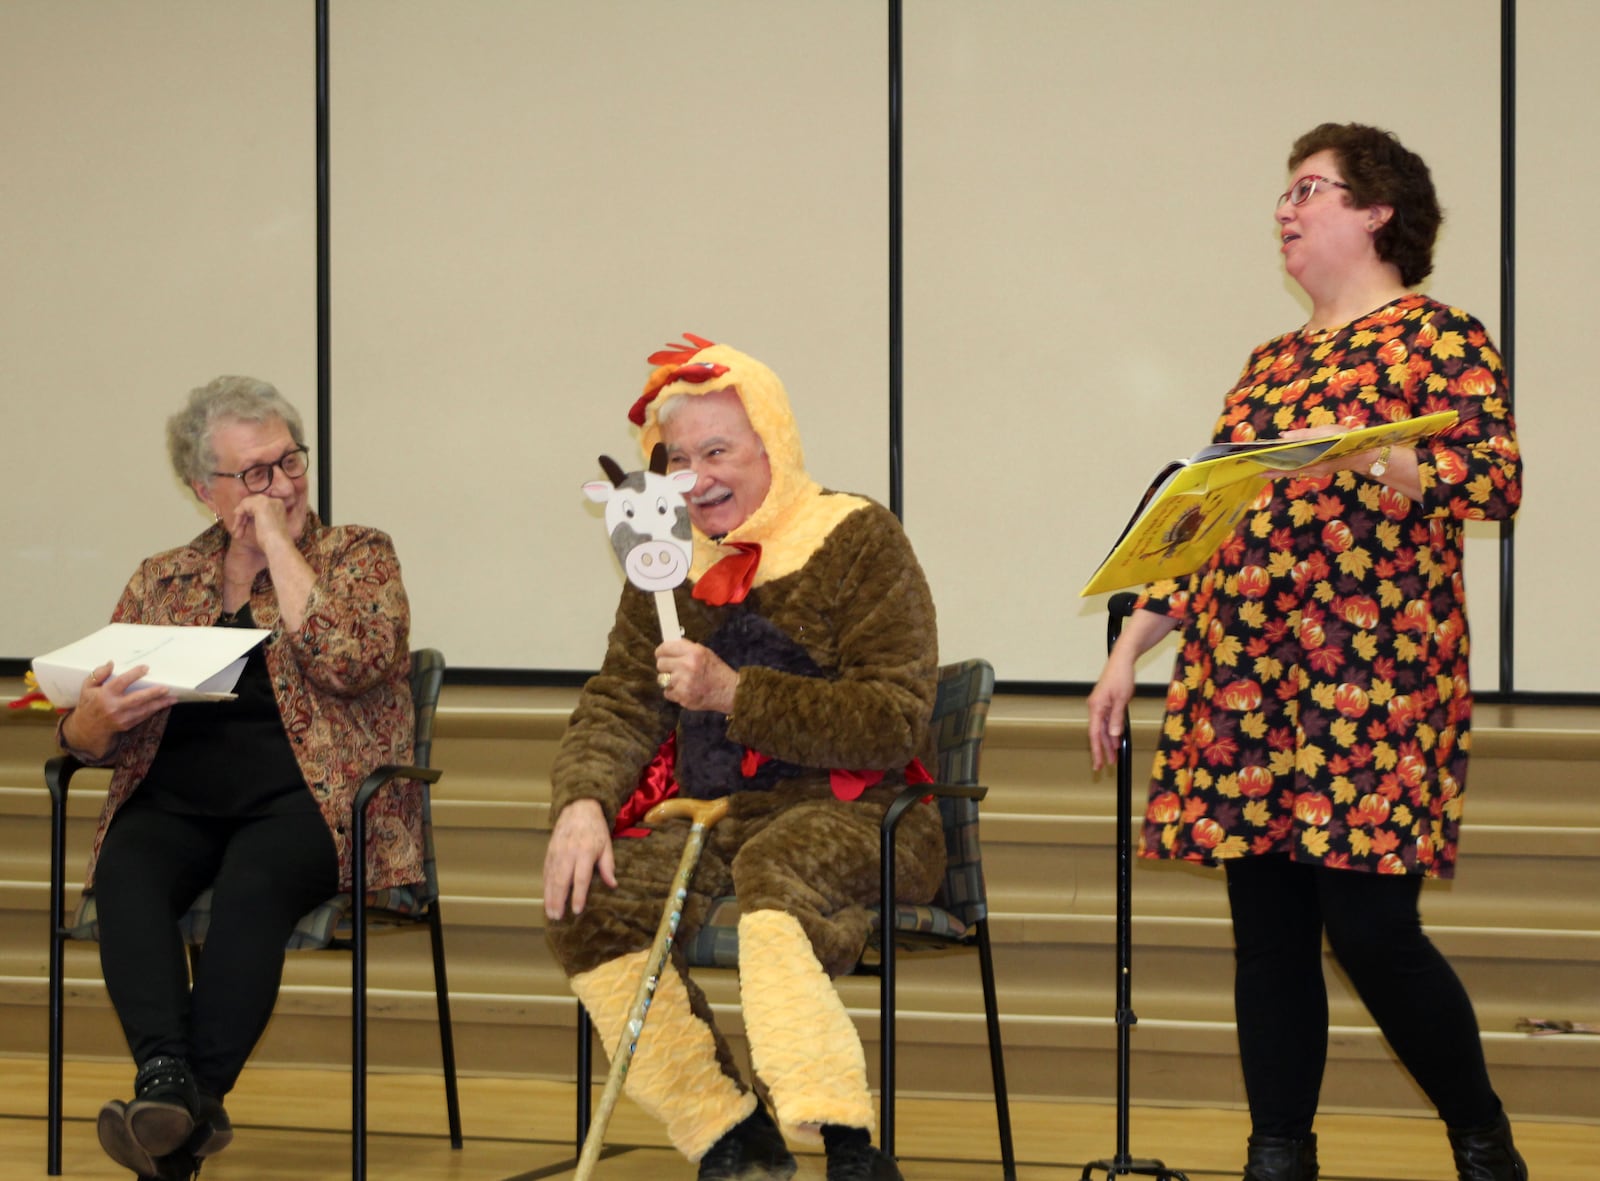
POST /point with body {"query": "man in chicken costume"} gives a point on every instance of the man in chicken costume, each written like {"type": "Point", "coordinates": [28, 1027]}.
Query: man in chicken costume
{"type": "Point", "coordinates": [801, 689]}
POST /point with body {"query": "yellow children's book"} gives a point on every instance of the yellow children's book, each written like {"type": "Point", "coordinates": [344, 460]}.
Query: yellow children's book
{"type": "Point", "coordinates": [1193, 505]}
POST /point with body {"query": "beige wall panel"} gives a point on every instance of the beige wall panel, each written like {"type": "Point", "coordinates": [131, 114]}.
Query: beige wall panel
{"type": "Point", "coordinates": [1091, 256]}
{"type": "Point", "coordinates": [531, 197]}
{"type": "Point", "coordinates": [1558, 411]}
{"type": "Point", "coordinates": [158, 230]}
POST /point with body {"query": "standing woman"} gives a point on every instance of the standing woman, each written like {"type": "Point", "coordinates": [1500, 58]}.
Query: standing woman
{"type": "Point", "coordinates": [250, 797]}
{"type": "Point", "coordinates": [1316, 736]}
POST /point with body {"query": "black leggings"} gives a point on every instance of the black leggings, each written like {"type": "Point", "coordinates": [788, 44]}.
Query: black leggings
{"type": "Point", "coordinates": [266, 872]}
{"type": "Point", "coordinates": [1281, 910]}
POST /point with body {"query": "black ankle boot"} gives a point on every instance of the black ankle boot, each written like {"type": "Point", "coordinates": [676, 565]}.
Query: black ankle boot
{"type": "Point", "coordinates": [161, 1117]}
{"type": "Point", "coordinates": [851, 1156]}
{"type": "Point", "coordinates": [213, 1129]}
{"type": "Point", "coordinates": [1278, 1158]}
{"type": "Point", "coordinates": [747, 1149]}
{"type": "Point", "coordinates": [1487, 1154]}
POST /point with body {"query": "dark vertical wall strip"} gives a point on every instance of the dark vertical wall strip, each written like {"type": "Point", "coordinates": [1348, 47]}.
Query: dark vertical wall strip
{"type": "Point", "coordinates": [896, 304]}
{"type": "Point", "coordinates": [1508, 306]}
{"type": "Point", "coordinates": [324, 344]}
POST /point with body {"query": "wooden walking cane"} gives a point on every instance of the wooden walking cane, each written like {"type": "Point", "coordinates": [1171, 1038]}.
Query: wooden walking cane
{"type": "Point", "coordinates": [704, 814]}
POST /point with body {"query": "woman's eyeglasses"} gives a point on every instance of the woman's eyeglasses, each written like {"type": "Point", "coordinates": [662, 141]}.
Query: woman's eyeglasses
{"type": "Point", "coordinates": [258, 477]}
{"type": "Point", "coordinates": [1301, 192]}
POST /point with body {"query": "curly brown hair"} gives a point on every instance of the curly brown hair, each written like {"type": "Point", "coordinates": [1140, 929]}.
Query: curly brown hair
{"type": "Point", "coordinates": [1380, 170]}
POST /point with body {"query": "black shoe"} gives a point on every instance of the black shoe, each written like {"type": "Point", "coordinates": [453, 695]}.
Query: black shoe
{"type": "Point", "coordinates": [1279, 1158]}
{"type": "Point", "coordinates": [161, 1116]}
{"type": "Point", "coordinates": [851, 1156]}
{"type": "Point", "coordinates": [118, 1141]}
{"type": "Point", "coordinates": [213, 1129]}
{"type": "Point", "coordinates": [750, 1149]}
{"type": "Point", "coordinates": [1487, 1154]}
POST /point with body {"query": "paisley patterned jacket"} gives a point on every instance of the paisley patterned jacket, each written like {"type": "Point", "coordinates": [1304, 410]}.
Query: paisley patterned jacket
{"type": "Point", "coordinates": [341, 681]}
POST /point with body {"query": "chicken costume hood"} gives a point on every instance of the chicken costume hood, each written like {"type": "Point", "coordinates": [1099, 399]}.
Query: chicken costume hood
{"type": "Point", "coordinates": [796, 515]}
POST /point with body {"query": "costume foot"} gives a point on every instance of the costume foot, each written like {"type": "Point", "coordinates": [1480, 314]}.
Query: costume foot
{"type": "Point", "coordinates": [751, 1150]}
{"type": "Point", "coordinates": [161, 1115]}
{"type": "Point", "coordinates": [851, 1156]}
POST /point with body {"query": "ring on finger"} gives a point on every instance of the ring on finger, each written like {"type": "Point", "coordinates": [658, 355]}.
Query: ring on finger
{"type": "Point", "coordinates": [664, 680]}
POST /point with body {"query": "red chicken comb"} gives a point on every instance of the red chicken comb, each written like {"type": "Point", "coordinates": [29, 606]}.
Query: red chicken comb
{"type": "Point", "coordinates": [675, 363]}
{"type": "Point", "coordinates": [678, 353]}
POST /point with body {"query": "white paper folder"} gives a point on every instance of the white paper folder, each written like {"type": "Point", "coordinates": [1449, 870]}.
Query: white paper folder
{"type": "Point", "coordinates": [196, 663]}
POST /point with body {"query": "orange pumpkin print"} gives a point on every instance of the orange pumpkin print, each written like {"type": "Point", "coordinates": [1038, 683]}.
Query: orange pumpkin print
{"type": "Point", "coordinates": [1254, 582]}
{"type": "Point", "coordinates": [1240, 696]}
{"type": "Point", "coordinates": [1313, 808]}
{"type": "Point", "coordinates": [1340, 605]}
{"type": "Point", "coordinates": [1255, 782]}
{"type": "Point", "coordinates": [1337, 537]}
{"type": "Point", "coordinates": [1361, 610]}
{"type": "Point", "coordinates": [1350, 700]}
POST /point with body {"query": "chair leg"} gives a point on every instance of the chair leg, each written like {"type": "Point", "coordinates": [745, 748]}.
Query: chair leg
{"type": "Point", "coordinates": [886, 1035]}
{"type": "Point", "coordinates": [585, 1073]}
{"type": "Point", "coordinates": [447, 1041]}
{"type": "Point", "coordinates": [997, 1063]}
{"type": "Point", "coordinates": [358, 1040]}
{"type": "Point", "coordinates": [58, 943]}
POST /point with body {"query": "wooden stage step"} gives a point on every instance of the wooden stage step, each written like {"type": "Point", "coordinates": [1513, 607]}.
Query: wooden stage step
{"type": "Point", "coordinates": [1520, 925]}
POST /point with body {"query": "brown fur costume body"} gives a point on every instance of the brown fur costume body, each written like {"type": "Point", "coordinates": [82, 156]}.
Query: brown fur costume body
{"type": "Point", "coordinates": [837, 655]}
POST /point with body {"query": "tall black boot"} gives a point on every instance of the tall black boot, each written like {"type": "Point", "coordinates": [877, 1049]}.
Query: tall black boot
{"type": "Point", "coordinates": [1278, 1158]}
{"type": "Point", "coordinates": [1487, 1154]}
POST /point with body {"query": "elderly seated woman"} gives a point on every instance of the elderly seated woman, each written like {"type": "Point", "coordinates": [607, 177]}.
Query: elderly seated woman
{"type": "Point", "coordinates": [250, 797]}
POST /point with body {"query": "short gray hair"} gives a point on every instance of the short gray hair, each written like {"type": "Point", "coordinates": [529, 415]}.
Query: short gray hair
{"type": "Point", "coordinates": [234, 399]}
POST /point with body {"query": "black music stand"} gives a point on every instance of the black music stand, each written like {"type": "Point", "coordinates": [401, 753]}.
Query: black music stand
{"type": "Point", "coordinates": [1123, 1165]}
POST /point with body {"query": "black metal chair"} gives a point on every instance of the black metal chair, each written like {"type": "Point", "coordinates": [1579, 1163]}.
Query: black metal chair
{"type": "Point", "coordinates": [339, 924]}
{"type": "Point", "coordinates": [958, 919]}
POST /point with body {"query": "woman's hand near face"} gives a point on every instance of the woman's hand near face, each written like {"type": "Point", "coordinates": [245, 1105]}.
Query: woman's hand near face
{"type": "Point", "coordinates": [260, 522]}
{"type": "Point", "coordinates": [106, 708]}
{"type": "Point", "coordinates": [262, 540]}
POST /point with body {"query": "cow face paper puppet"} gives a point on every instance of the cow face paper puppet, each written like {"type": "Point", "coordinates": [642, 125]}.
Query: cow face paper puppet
{"type": "Point", "coordinates": [647, 519]}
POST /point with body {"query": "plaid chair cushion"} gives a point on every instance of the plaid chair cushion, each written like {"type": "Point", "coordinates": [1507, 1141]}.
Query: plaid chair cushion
{"type": "Point", "coordinates": [716, 945]}
{"type": "Point", "coordinates": [326, 926]}
{"type": "Point", "coordinates": [329, 925]}
{"type": "Point", "coordinates": [960, 713]}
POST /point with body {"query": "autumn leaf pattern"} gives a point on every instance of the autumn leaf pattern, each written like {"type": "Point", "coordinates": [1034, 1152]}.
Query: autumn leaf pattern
{"type": "Point", "coordinates": [1320, 704]}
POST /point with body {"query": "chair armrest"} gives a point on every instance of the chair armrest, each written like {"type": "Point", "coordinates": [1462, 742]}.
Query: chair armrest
{"type": "Point", "coordinates": [58, 773]}
{"type": "Point", "coordinates": [370, 785]}
{"type": "Point", "coordinates": [912, 793]}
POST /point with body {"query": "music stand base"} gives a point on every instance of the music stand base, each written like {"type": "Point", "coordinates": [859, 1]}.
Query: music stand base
{"type": "Point", "coordinates": [1124, 1166]}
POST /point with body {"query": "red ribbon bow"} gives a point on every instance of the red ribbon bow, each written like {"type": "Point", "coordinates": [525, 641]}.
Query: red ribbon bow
{"type": "Point", "coordinates": [729, 580]}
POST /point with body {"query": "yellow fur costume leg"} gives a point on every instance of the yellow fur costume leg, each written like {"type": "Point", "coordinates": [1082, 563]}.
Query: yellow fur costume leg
{"type": "Point", "coordinates": [674, 1075]}
{"type": "Point", "coordinates": [802, 1042]}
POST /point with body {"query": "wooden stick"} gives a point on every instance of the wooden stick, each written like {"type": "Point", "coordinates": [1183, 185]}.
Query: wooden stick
{"type": "Point", "coordinates": [667, 613]}
{"type": "Point", "coordinates": [704, 814]}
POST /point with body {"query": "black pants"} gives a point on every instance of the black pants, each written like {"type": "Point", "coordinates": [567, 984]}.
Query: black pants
{"type": "Point", "coordinates": [266, 872]}
{"type": "Point", "coordinates": [1280, 912]}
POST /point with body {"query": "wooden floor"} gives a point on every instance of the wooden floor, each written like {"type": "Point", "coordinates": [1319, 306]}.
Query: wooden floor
{"type": "Point", "coordinates": [293, 1124]}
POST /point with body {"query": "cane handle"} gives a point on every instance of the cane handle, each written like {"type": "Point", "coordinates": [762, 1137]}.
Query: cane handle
{"type": "Point", "coordinates": [704, 812]}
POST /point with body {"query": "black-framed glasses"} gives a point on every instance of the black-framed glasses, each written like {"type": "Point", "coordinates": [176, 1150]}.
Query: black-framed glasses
{"type": "Point", "coordinates": [258, 477]}
{"type": "Point", "coordinates": [1300, 192]}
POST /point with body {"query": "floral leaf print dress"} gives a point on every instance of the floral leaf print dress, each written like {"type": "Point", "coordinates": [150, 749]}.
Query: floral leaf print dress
{"type": "Point", "coordinates": [1320, 705]}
